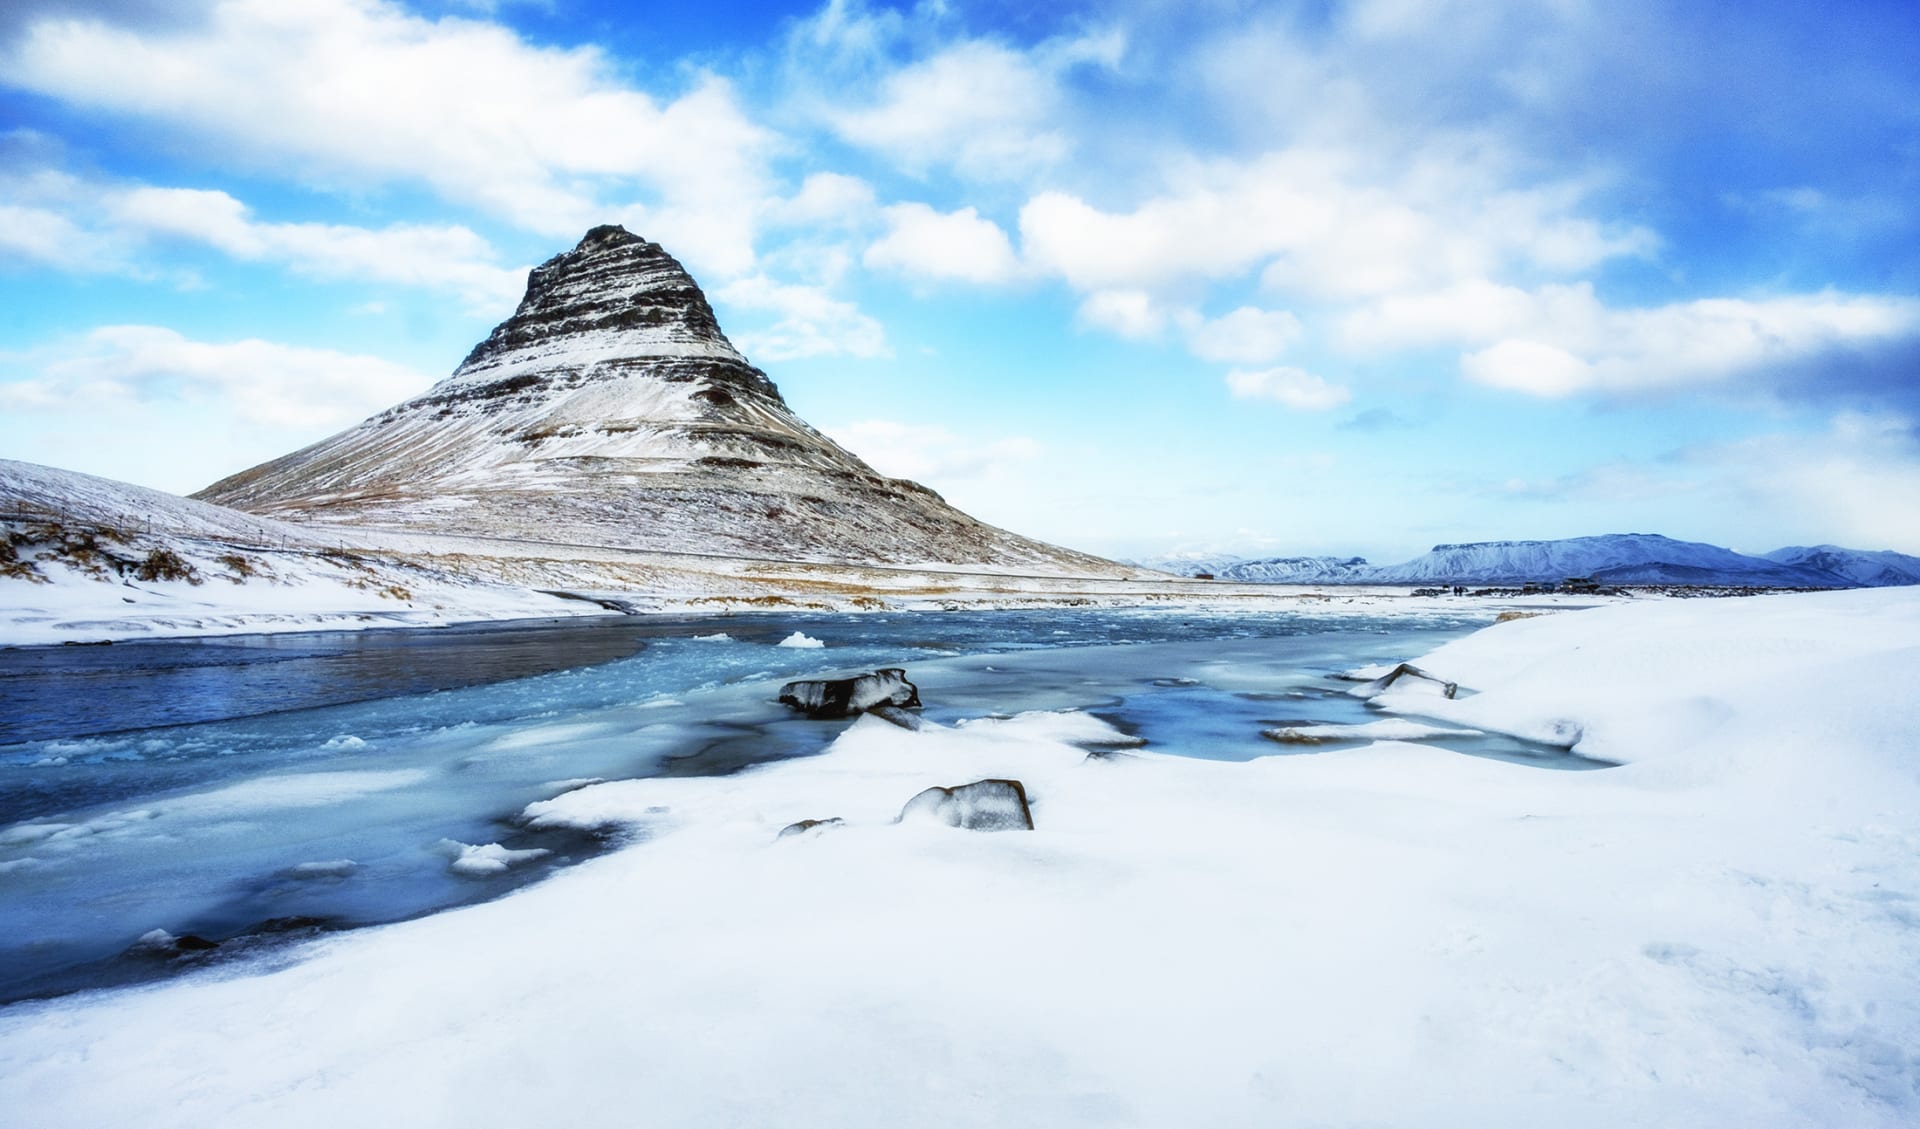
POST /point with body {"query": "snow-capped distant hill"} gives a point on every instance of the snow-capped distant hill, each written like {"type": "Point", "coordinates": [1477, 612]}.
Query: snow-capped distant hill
{"type": "Point", "coordinates": [1615, 558]}
{"type": "Point", "coordinates": [1302, 570]}
{"type": "Point", "coordinates": [610, 411]}
{"type": "Point", "coordinates": [1865, 568]}
{"type": "Point", "coordinates": [1191, 564]}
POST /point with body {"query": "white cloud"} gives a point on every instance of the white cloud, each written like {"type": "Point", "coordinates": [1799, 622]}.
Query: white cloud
{"type": "Point", "coordinates": [981, 107]}
{"type": "Point", "coordinates": [439, 257]}
{"type": "Point", "coordinates": [827, 199]}
{"type": "Point", "coordinates": [930, 454]}
{"type": "Point", "coordinates": [1245, 336]}
{"type": "Point", "coordinates": [1296, 388]}
{"type": "Point", "coordinates": [1129, 313]}
{"type": "Point", "coordinates": [87, 226]}
{"type": "Point", "coordinates": [1561, 340]}
{"type": "Point", "coordinates": [354, 90]}
{"type": "Point", "coordinates": [1319, 222]}
{"type": "Point", "coordinates": [954, 245]}
{"type": "Point", "coordinates": [811, 322]}
{"type": "Point", "coordinates": [1855, 484]}
{"type": "Point", "coordinates": [261, 381]}
{"type": "Point", "coordinates": [46, 236]}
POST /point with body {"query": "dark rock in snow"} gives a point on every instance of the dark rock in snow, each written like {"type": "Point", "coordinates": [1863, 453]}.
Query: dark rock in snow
{"type": "Point", "coordinates": [806, 825]}
{"type": "Point", "coordinates": [160, 943]}
{"type": "Point", "coordinates": [1404, 670]}
{"type": "Point", "coordinates": [844, 697]}
{"type": "Point", "coordinates": [984, 805]}
{"type": "Point", "coordinates": [899, 717]}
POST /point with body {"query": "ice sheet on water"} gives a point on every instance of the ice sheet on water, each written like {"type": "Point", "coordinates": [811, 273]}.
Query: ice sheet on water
{"type": "Point", "coordinates": [185, 826]}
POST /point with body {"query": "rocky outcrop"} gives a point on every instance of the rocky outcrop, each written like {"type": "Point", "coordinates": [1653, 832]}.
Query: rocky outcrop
{"type": "Point", "coordinates": [610, 410]}
{"type": "Point", "coordinates": [984, 805]}
{"type": "Point", "coordinates": [845, 697]}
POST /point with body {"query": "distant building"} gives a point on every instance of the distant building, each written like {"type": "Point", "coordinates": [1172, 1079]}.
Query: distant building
{"type": "Point", "coordinates": [1586, 584]}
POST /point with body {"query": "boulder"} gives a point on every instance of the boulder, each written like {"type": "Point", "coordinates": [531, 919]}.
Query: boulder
{"type": "Point", "coordinates": [984, 805]}
{"type": "Point", "coordinates": [845, 697]}
{"type": "Point", "coordinates": [806, 825]}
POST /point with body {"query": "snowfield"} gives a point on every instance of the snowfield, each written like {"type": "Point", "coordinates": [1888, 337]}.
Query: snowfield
{"type": "Point", "coordinates": [1722, 931]}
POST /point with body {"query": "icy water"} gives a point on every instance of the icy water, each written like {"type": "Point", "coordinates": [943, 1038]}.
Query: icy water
{"type": "Point", "coordinates": [249, 790]}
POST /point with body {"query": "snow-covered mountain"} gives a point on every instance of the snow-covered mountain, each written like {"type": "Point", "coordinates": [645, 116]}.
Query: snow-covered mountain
{"type": "Point", "coordinates": [1190, 564]}
{"type": "Point", "coordinates": [610, 410]}
{"type": "Point", "coordinates": [1617, 558]}
{"type": "Point", "coordinates": [1301, 570]}
{"type": "Point", "coordinates": [1864, 568]}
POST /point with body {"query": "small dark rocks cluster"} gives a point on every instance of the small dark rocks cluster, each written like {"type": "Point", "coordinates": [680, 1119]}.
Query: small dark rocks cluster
{"type": "Point", "coordinates": [984, 805]}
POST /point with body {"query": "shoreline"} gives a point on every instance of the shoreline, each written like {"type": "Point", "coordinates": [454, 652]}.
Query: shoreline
{"type": "Point", "coordinates": [1709, 933]}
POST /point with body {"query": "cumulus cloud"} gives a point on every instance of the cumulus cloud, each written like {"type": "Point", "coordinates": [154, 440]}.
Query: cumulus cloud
{"type": "Point", "coordinates": [827, 199]}
{"type": "Point", "coordinates": [84, 226]}
{"type": "Point", "coordinates": [931, 454]}
{"type": "Point", "coordinates": [262, 381]}
{"type": "Point", "coordinates": [359, 90]}
{"type": "Point", "coordinates": [1296, 388]}
{"type": "Point", "coordinates": [451, 258]}
{"type": "Point", "coordinates": [1561, 340]}
{"type": "Point", "coordinates": [809, 321]}
{"type": "Point", "coordinates": [1314, 222]}
{"type": "Point", "coordinates": [1129, 313]}
{"type": "Point", "coordinates": [960, 245]}
{"type": "Point", "coordinates": [983, 107]}
{"type": "Point", "coordinates": [1857, 483]}
{"type": "Point", "coordinates": [1246, 336]}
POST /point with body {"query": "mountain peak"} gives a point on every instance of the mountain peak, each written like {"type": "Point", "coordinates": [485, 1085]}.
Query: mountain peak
{"type": "Point", "coordinates": [614, 298]}
{"type": "Point", "coordinates": [610, 411]}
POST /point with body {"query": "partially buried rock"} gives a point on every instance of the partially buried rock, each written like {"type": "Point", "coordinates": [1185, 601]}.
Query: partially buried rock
{"type": "Point", "coordinates": [1380, 685]}
{"type": "Point", "coordinates": [809, 825]}
{"type": "Point", "coordinates": [845, 697]}
{"type": "Point", "coordinates": [160, 943]}
{"type": "Point", "coordinates": [984, 805]}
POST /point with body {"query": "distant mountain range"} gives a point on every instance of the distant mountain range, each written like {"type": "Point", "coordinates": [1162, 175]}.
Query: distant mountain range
{"type": "Point", "coordinates": [1614, 558]}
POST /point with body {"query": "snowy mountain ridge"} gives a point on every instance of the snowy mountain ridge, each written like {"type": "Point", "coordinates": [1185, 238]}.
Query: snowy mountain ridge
{"type": "Point", "coordinates": [1618, 558]}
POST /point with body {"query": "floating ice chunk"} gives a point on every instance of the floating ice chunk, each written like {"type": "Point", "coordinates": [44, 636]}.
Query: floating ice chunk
{"type": "Point", "coordinates": [717, 637]}
{"type": "Point", "coordinates": [345, 741]}
{"type": "Point", "coordinates": [1365, 673]}
{"type": "Point", "coordinates": [1388, 729]}
{"type": "Point", "coordinates": [799, 639]}
{"type": "Point", "coordinates": [485, 860]}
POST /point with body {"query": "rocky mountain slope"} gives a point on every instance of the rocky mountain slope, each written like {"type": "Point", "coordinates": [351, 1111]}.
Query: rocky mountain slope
{"type": "Point", "coordinates": [611, 411]}
{"type": "Point", "coordinates": [1617, 558]}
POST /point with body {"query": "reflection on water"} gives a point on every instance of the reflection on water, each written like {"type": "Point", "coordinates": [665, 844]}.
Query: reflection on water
{"type": "Point", "coordinates": [327, 774]}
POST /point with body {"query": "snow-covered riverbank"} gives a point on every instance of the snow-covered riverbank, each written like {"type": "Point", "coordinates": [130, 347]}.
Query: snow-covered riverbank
{"type": "Point", "coordinates": [1722, 931]}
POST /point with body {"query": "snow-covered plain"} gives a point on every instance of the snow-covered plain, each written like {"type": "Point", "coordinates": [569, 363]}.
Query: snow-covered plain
{"type": "Point", "coordinates": [1723, 931]}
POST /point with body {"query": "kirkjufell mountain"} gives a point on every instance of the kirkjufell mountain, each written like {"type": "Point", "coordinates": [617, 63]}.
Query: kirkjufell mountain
{"type": "Point", "coordinates": [610, 410]}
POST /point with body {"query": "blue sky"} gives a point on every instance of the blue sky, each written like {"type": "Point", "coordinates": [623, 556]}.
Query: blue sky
{"type": "Point", "coordinates": [1142, 277]}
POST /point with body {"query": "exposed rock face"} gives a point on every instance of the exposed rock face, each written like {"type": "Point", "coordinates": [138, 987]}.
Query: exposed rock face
{"type": "Point", "coordinates": [610, 410]}
{"type": "Point", "coordinates": [845, 697]}
{"type": "Point", "coordinates": [984, 805]}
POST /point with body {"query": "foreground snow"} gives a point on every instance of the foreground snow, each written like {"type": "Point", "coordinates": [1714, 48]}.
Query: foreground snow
{"type": "Point", "coordinates": [1720, 932]}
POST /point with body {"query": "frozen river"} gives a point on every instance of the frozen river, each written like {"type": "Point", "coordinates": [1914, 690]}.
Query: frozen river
{"type": "Point", "coordinates": [242, 788]}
